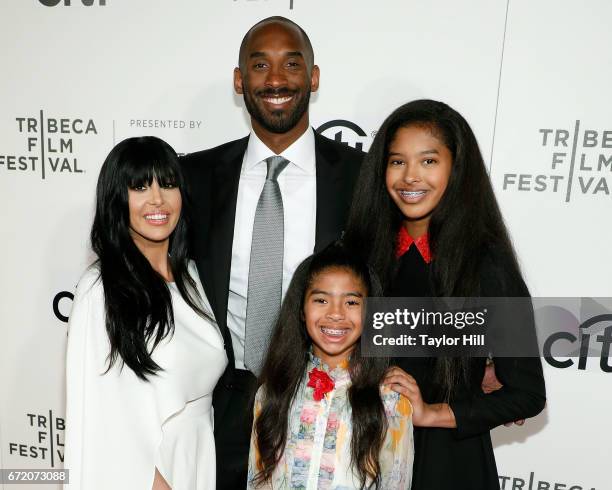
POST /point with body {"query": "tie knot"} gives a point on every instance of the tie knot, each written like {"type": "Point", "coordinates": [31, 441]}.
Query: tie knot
{"type": "Point", "coordinates": [276, 165]}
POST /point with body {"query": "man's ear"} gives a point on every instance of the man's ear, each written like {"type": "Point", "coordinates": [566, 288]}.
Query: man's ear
{"type": "Point", "coordinates": [238, 81]}
{"type": "Point", "coordinates": [314, 78]}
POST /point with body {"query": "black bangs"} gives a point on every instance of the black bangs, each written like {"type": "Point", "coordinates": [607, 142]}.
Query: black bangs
{"type": "Point", "coordinates": [150, 158]}
{"type": "Point", "coordinates": [145, 172]}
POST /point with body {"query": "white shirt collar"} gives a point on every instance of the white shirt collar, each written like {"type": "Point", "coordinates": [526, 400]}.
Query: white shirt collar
{"type": "Point", "coordinates": [300, 153]}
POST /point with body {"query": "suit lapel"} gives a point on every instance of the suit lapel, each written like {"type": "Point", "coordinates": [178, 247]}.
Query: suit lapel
{"type": "Point", "coordinates": [331, 194]}
{"type": "Point", "coordinates": [226, 175]}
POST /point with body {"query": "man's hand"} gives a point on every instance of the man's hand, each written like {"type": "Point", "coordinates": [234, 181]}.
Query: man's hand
{"type": "Point", "coordinates": [490, 383]}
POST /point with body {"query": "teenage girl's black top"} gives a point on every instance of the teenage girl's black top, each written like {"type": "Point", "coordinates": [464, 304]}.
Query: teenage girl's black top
{"type": "Point", "coordinates": [462, 458]}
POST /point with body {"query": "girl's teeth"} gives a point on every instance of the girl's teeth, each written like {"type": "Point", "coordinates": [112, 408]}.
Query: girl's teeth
{"type": "Point", "coordinates": [333, 331]}
{"type": "Point", "coordinates": [156, 216]}
{"type": "Point", "coordinates": [412, 193]}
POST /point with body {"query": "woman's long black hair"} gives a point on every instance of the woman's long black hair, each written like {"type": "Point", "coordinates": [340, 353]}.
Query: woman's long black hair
{"type": "Point", "coordinates": [286, 363]}
{"type": "Point", "coordinates": [138, 304]}
{"type": "Point", "coordinates": [465, 227]}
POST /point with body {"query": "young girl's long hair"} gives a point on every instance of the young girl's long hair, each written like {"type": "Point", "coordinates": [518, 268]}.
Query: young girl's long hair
{"type": "Point", "coordinates": [465, 227]}
{"type": "Point", "coordinates": [286, 363]}
{"type": "Point", "coordinates": [138, 304]}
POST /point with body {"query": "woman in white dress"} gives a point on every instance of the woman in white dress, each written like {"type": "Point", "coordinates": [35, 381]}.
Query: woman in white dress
{"type": "Point", "coordinates": [144, 352]}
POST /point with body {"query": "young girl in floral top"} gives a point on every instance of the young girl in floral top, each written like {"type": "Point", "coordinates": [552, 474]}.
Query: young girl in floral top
{"type": "Point", "coordinates": [321, 419]}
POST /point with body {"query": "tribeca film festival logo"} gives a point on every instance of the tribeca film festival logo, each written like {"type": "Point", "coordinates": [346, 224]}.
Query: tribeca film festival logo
{"type": "Point", "coordinates": [345, 132]}
{"type": "Point", "coordinates": [49, 145]}
{"type": "Point", "coordinates": [580, 161]}
{"type": "Point", "coordinates": [47, 439]}
{"type": "Point", "coordinates": [533, 483]}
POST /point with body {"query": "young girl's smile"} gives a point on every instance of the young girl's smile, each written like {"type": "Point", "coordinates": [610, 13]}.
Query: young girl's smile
{"type": "Point", "coordinates": [418, 168]}
{"type": "Point", "coordinates": [332, 312]}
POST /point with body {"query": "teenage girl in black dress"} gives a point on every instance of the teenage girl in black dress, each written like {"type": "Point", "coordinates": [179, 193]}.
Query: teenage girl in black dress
{"type": "Point", "coordinates": [426, 218]}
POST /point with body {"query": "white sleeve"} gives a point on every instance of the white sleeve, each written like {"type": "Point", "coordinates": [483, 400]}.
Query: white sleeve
{"type": "Point", "coordinates": [112, 426]}
{"type": "Point", "coordinates": [75, 378]}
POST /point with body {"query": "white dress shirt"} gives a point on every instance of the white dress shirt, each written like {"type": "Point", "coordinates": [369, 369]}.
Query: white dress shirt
{"type": "Point", "coordinates": [298, 186]}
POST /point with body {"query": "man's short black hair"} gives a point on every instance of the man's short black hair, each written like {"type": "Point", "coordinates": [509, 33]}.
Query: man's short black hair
{"type": "Point", "coordinates": [277, 19]}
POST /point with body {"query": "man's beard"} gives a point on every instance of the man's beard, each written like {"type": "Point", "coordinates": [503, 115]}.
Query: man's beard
{"type": "Point", "coordinates": [277, 121]}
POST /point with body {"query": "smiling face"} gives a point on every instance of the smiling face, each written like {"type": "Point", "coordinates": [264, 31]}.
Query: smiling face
{"type": "Point", "coordinates": [332, 312]}
{"type": "Point", "coordinates": [276, 78]}
{"type": "Point", "coordinates": [154, 213]}
{"type": "Point", "coordinates": [418, 169]}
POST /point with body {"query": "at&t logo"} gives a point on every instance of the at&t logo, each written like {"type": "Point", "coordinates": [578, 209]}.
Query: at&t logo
{"type": "Point", "coordinates": [345, 132]}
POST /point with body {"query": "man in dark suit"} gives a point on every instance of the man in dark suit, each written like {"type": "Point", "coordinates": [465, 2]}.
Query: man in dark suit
{"type": "Point", "coordinates": [282, 171]}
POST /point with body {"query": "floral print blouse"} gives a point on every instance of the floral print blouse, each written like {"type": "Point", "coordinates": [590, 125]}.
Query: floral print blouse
{"type": "Point", "coordinates": [317, 455]}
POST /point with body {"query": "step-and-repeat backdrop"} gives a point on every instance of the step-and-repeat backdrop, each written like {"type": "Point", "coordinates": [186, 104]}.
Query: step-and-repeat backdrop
{"type": "Point", "coordinates": [532, 78]}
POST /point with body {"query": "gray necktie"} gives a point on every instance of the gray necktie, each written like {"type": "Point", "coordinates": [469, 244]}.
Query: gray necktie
{"type": "Point", "coordinates": [265, 269]}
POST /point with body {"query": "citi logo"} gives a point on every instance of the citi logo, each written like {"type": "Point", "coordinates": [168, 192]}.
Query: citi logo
{"type": "Point", "coordinates": [343, 131]}
{"type": "Point", "coordinates": [581, 345]}
{"type": "Point", "coordinates": [62, 303]}
{"type": "Point", "coordinates": [68, 3]}
{"type": "Point", "coordinates": [290, 3]}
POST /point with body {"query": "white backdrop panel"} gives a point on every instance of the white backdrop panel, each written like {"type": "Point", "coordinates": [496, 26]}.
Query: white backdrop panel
{"type": "Point", "coordinates": [555, 73]}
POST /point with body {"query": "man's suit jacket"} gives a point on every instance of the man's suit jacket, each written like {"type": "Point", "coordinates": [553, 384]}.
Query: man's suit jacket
{"type": "Point", "coordinates": [212, 178]}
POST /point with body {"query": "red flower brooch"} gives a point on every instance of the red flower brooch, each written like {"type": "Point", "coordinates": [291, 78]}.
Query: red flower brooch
{"type": "Point", "coordinates": [321, 382]}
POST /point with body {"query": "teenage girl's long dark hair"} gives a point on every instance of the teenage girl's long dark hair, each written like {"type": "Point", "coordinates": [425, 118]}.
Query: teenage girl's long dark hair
{"type": "Point", "coordinates": [138, 304]}
{"type": "Point", "coordinates": [465, 227]}
{"type": "Point", "coordinates": [286, 364]}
